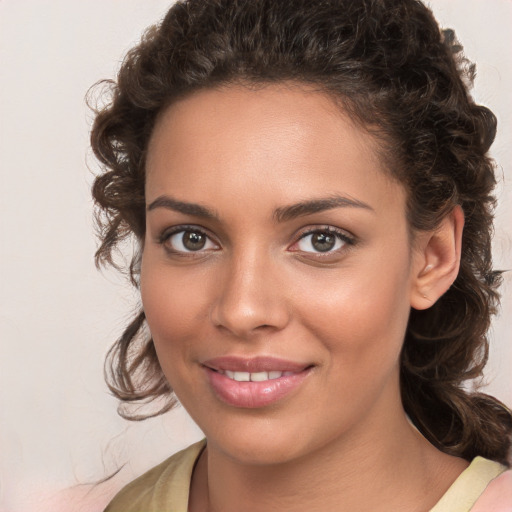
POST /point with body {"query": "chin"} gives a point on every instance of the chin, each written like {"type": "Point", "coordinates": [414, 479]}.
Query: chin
{"type": "Point", "coordinates": [259, 452]}
{"type": "Point", "coordinates": [265, 440]}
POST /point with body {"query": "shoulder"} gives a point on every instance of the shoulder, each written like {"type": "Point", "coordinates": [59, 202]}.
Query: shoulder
{"type": "Point", "coordinates": [164, 485]}
{"type": "Point", "coordinates": [497, 495]}
{"type": "Point", "coordinates": [471, 486]}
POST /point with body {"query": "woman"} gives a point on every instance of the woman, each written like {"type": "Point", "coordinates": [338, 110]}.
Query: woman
{"type": "Point", "coordinates": [310, 189]}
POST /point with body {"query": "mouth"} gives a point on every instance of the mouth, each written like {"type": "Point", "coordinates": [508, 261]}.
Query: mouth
{"type": "Point", "coordinates": [256, 382]}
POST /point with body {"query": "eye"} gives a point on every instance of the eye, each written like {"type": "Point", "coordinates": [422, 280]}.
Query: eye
{"type": "Point", "coordinates": [188, 241]}
{"type": "Point", "coordinates": [325, 240]}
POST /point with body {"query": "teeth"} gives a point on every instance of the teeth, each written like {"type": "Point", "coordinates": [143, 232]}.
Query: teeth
{"type": "Point", "coordinates": [256, 376]}
{"type": "Point", "coordinates": [259, 377]}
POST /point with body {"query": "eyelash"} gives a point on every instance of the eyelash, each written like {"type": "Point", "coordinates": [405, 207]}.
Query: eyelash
{"type": "Point", "coordinates": [166, 235]}
{"type": "Point", "coordinates": [342, 236]}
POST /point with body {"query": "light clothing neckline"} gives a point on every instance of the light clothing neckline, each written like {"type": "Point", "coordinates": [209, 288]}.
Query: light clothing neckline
{"type": "Point", "coordinates": [460, 496]}
{"type": "Point", "coordinates": [469, 485]}
{"type": "Point", "coordinates": [167, 486]}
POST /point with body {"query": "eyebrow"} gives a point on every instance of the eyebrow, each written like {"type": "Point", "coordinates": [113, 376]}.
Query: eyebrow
{"type": "Point", "coordinates": [303, 208]}
{"type": "Point", "coordinates": [281, 214]}
{"type": "Point", "coordinates": [186, 208]}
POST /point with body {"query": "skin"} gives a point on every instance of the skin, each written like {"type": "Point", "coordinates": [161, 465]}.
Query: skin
{"type": "Point", "coordinates": [259, 288]}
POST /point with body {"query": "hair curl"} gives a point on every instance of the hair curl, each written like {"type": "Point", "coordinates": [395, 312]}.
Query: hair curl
{"type": "Point", "coordinates": [402, 78]}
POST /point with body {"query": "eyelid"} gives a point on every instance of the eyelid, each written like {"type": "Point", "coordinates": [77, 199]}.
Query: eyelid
{"type": "Point", "coordinates": [167, 233]}
{"type": "Point", "coordinates": [347, 238]}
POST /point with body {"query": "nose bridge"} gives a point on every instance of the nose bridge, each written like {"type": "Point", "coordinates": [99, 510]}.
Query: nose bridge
{"type": "Point", "coordinates": [249, 298]}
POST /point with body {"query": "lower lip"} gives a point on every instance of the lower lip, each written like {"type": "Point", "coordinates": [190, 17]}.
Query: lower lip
{"type": "Point", "coordinates": [252, 395]}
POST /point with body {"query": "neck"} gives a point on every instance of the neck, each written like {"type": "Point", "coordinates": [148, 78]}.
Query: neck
{"type": "Point", "coordinates": [378, 463]}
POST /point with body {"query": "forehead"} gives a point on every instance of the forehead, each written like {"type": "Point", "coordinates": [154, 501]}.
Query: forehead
{"type": "Point", "coordinates": [287, 141]}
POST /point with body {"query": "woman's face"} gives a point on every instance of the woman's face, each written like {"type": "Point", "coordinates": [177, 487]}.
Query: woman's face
{"type": "Point", "coordinates": [277, 270]}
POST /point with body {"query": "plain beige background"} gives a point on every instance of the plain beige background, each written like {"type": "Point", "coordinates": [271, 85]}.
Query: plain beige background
{"type": "Point", "coordinates": [58, 315]}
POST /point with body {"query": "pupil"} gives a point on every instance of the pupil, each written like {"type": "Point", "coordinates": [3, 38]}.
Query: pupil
{"type": "Point", "coordinates": [193, 241]}
{"type": "Point", "coordinates": [323, 242]}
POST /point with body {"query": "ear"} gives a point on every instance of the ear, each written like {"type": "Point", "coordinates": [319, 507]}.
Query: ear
{"type": "Point", "coordinates": [437, 260]}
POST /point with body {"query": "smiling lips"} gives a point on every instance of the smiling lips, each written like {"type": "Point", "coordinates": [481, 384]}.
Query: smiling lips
{"type": "Point", "coordinates": [253, 383]}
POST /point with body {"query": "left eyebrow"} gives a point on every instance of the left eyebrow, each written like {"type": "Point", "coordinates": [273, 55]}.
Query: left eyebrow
{"type": "Point", "coordinates": [286, 213]}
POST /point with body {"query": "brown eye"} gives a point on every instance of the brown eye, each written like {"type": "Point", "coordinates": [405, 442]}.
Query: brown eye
{"type": "Point", "coordinates": [189, 240]}
{"type": "Point", "coordinates": [322, 241]}
{"type": "Point", "coordinates": [193, 241]}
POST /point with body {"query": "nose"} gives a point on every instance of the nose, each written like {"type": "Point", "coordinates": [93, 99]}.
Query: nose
{"type": "Point", "coordinates": [251, 299]}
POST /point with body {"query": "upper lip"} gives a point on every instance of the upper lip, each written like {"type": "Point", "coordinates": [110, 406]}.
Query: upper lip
{"type": "Point", "coordinates": [254, 364]}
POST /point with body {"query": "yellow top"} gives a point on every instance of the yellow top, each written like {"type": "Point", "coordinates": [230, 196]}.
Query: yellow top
{"type": "Point", "coordinates": [165, 488]}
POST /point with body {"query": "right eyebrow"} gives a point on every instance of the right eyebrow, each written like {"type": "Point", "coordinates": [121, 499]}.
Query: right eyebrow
{"type": "Point", "coordinates": [186, 208]}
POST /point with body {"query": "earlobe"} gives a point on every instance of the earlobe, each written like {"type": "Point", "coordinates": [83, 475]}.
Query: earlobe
{"type": "Point", "coordinates": [437, 260]}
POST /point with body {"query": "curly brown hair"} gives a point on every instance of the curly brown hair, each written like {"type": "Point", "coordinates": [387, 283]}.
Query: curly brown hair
{"type": "Point", "coordinates": [406, 82]}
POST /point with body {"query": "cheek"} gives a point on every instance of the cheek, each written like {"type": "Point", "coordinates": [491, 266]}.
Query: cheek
{"type": "Point", "coordinates": [363, 317]}
{"type": "Point", "coordinates": [175, 309]}
{"type": "Point", "coordinates": [164, 308]}
{"type": "Point", "coordinates": [361, 326]}
{"type": "Point", "coordinates": [175, 306]}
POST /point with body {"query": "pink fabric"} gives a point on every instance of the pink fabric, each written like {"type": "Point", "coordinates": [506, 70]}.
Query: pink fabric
{"type": "Point", "coordinates": [497, 496]}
